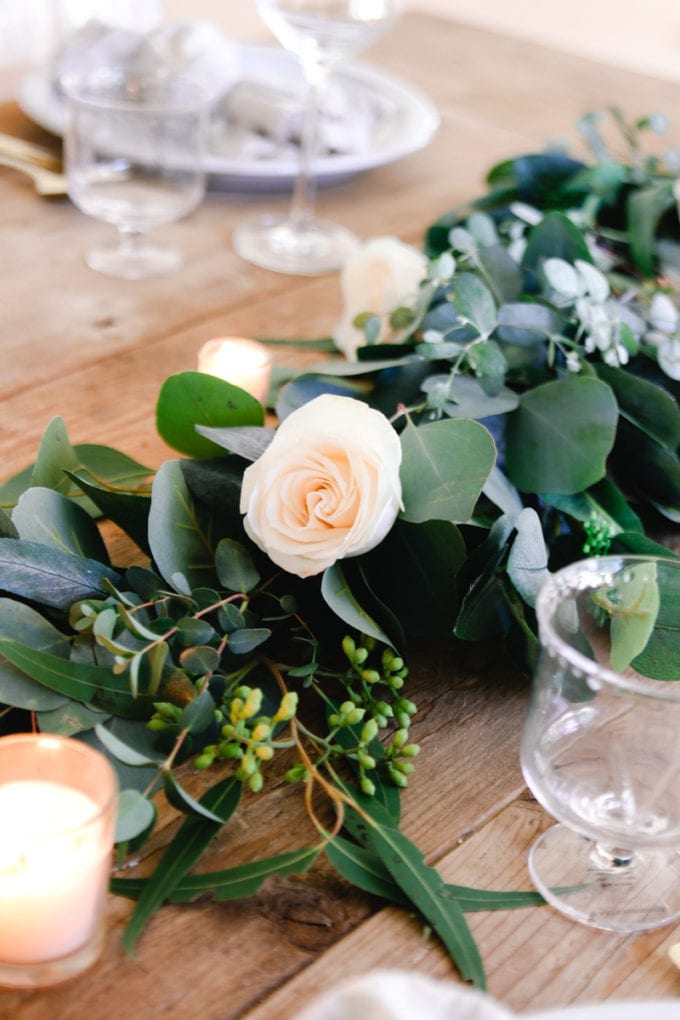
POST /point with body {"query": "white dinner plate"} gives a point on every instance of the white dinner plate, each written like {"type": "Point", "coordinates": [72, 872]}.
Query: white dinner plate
{"type": "Point", "coordinates": [403, 121]}
{"type": "Point", "coordinates": [663, 1009]}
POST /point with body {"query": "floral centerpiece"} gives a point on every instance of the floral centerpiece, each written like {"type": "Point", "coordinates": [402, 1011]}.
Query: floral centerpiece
{"type": "Point", "coordinates": [507, 401]}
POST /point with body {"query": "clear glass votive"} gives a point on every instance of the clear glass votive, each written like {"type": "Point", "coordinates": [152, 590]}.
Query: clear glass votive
{"type": "Point", "coordinates": [58, 800]}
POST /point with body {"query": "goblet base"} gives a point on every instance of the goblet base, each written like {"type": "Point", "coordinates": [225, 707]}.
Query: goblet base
{"type": "Point", "coordinates": [615, 891]}
{"type": "Point", "coordinates": [134, 263]}
{"type": "Point", "coordinates": [307, 248]}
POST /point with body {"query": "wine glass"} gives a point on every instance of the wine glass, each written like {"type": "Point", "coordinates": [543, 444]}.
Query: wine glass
{"type": "Point", "coordinates": [134, 158]}
{"type": "Point", "coordinates": [321, 33]}
{"type": "Point", "coordinates": [601, 743]}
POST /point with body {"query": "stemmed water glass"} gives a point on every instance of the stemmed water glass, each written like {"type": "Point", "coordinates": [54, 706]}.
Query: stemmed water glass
{"type": "Point", "coordinates": [321, 33]}
{"type": "Point", "coordinates": [601, 745]}
{"type": "Point", "coordinates": [134, 158]}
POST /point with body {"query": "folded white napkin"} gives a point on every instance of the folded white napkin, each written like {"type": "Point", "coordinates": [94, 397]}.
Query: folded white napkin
{"type": "Point", "coordinates": [401, 995]}
{"type": "Point", "coordinates": [256, 93]}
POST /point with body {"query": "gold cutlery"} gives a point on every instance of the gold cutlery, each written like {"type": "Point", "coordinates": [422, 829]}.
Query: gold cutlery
{"type": "Point", "coordinates": [20, 148]}
{"type": "Point", "coordinates": [47, 182]}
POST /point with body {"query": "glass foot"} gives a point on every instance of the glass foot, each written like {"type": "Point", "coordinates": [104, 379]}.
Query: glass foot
{"type": "Point", "coordinates": [134, 263]}
{"type": "Point", "coordinates": [303, 249]}
{"type": "Point", "coordinates": [612, 890]}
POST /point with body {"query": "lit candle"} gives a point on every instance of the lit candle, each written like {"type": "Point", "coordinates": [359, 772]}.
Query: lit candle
{"type": "Point", "coordinates": [244, 363]}
{"type": "Point", "coordinates": [57, 811]}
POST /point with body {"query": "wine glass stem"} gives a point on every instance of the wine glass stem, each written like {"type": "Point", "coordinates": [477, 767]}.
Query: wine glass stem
{"type": "Point", "coordinates": [131, 241]}
{"type": "Point", "coordinates": [302, 204]}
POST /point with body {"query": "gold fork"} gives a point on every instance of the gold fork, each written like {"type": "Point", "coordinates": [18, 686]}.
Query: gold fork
{"type": "Point", "coordinates": [47, 182]}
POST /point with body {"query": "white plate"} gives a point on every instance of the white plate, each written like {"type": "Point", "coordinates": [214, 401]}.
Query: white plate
{"type": "Point", "coordinates": [404, 120]}
{"type": "Point", "coordinates": [663, 1009]}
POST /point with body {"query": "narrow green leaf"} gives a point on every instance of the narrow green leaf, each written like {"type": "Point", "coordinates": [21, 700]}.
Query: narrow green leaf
{"type": "Point", "coordinates": [230, 884]}
{"type": "Point", "coordinates": [645, 207]}
{"type": "Point", "coordinates": [183, 801]}
{"type": "Point", "coordinates": [49, 576]}
{"type": "Point", "coordinates": [23, 624]}
{"type": "Point", "coordinates": [129, 510]}
{"type": "Point", "coordinates": [364, 870]}
{"type": "Point", "coordinates": [338, 596]}
{"type": "Point", "coordinates": [122, 751]}
{"type": "Point", "coordinates": [471, 900]}
{"type": "Point", "coordinates": [193, 836]}
{"type": "Point", "coordinates": [91, 684]}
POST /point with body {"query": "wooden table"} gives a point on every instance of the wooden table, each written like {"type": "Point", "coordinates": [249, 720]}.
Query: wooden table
{"type": "Point", "coordinates": [96, 350]}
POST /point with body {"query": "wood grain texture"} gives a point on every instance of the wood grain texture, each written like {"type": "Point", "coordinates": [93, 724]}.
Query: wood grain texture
{"type": "Point", "coordinates": [96, 350]}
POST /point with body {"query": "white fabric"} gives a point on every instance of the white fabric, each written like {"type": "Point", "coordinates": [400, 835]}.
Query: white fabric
{"type": "Point", "coordinates": [401, 995]}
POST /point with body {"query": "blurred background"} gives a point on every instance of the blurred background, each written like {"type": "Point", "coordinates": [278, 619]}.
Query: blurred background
{"type": "Point", "coordinates": [626, 33]}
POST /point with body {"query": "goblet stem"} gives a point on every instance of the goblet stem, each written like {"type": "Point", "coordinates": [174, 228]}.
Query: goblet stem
{"type": "Point", "coordinates": [304, 192]}
{"type": "Point", "coordinates": [132, 242]}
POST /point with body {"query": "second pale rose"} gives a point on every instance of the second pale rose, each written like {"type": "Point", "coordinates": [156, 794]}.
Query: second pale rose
{"type": "Point", "coordinates": [326, 488]}
{"type": "Point", "coordinates": [378, 277]}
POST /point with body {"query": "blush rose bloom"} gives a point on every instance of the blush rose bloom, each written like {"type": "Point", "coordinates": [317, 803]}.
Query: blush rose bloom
{"type": "Point", "coordinates": [327, 487]}
{"type": "Point", "coordinates": [380, 276]}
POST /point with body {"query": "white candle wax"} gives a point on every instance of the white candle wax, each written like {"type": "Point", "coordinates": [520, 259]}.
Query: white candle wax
{"type": "Point", "coordinates": [54, 864]}
{"type": "Point", "coordinates": [245, 363]}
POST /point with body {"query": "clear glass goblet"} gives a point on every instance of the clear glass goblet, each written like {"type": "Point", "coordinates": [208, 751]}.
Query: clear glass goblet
{"type": "Point", "coordinates": [601, 743]}
{"type": "Point", "coordinates": [134, 158]}
{"type": "Point", "coordinates": [321, 33]}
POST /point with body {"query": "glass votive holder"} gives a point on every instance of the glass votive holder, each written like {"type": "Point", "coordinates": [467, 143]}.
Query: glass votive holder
{"type": "Point", "coordinates": [58, 800]}
{"type": "Point", "coordinates": [237, 360]}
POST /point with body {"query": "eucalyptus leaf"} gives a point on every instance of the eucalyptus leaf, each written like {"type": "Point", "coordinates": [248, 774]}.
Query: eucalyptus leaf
{"type": "Point", "coordinates": [644, 404]}
{"type": "Point", "coordinates": [25, 625]}
{"type": "Point", "coordinates": [189, 399]}
{"type": "Point", "coordinates": [230, 884]}
{"type": "Point", "coordinates": [129, 510]}
{"type": "Point", "coordinates": [474, 302]}
{"type": "Point", "coordinates": [46, 516]}
{"type": "Point", "coordinates": [7, 529]}
{"type": "Point", "coordinates": [437, 485]}
{"type": "Point", "coordinates": [136, 814]}
{"type": "Point", "coordinates": [235, 567]}
{"type": "Point", "coordinates": [248, 442]}
{"type": "Point", "coordinates": [339, 597]}
{"type": "Point", "coordinates": [52, 577]}
{"type": "Point", "coordinates": [70, 718]}
{"type": "Point", "coordinates": [559, 438]}
{"type": "Point", "coordinates": [199, 714]}
{"type": "Point", "coordinates": [246, 639]}
{"type": "Point", "coordinates": [193, 836]}
{"type": "Point", "coordinates": [122, 751]}
{"type": "Point", "coordinates": [528, 559]}
{"type": "Point", "coordinates": [180, 532]}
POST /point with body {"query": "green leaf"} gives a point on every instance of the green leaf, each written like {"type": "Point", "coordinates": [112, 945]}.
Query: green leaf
{"type": "Point", "coordinates": [230, 884]}
{"type": "Point", "coordinates": [136, 815]}
{"type": "Point", "coordinates": [559, 438]}
{"type": "Point", "coordinates": [7, 529]}
{"type": "Point", "coordinates": [472, 900]}
{"type": "Point", "coordinates": [248, 442]}
{"type": "Point", "coordinates": [645, 207]}
{"type": "Point", "coordinates": [23, 624]}
{"type": "Point", "coordinates": [528, 559]}
{"type": "Point", "coordinates": [554, 237]}
{"type": "Point", "coordinates": [364, 869]}
{"type": "Point", "coordinates": [199, 714]}
{"type": "Point", "coordinates": [70, 719]}
{"type": "Point", "coordinates": [527, 323]}
{"type": "Point", "coordinates": [193, 836]}
{"type": "Point", "coordinates": [184, 802]}
{"type": "Point", "coordinates": [633, 613]}
{"type": "Point", "coordinates": [445, 465]}
{"type": "Point", "coordinates": [129, 510]}
{"type": "Point", "coordinates": [474, 302]}
{"type": "Point", "coordinates": [246, 639]}
{"type": "Point", "coordinates": [45, 516]}
{"type": "Point", "coordinates": [235, 567]}
{"type": "Point", "coordinates": [95, 685]}
{"type": "Point", "coordinates": [338, 596]}
{"type": "Point", "coordinates": [646, 405]}
{"type": "Point", "coordinates": [123, 751]}
{"type": "Point", "coordinates": [424, 887]}
{"type": "Point", "coordinates": [189, 399]}
{"type": "Point", "coordinates": [660, 658]}
{"type": "Point", "coordinates": [180, 533]}
{"type": "Point", "coordinates": [14, 486]}
{"type": "Point", "coordinates": [49, 576]}
{"type": "Point", "coordinates": [604, 499]}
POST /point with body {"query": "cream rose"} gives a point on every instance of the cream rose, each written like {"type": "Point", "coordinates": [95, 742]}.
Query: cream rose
{"type": "Point", "coordinates": [327, 487]}
{"type": "Point", "coordinates": [378, 277]}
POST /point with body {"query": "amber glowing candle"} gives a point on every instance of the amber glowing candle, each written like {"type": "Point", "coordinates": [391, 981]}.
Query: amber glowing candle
{"type": "Point", "coordinates": [245, 363]}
